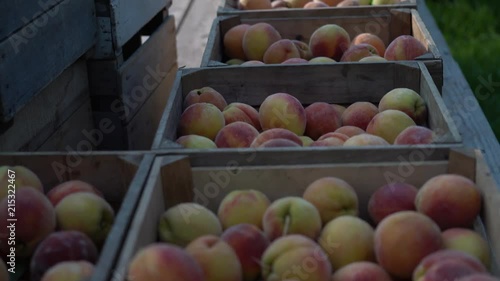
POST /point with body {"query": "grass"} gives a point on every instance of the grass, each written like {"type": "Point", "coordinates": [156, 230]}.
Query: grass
{"type": "Point", "coordinates": [472, 31]}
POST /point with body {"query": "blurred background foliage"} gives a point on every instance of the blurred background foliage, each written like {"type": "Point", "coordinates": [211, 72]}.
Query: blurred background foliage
{"type": "Point", "coordinates": [472, 31]}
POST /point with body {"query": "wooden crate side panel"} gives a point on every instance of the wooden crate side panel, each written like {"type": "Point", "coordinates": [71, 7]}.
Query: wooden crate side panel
{"type": "Point", "coordinates": [29, 64]}
{"type": "Point", "coordinates": [47, 111]}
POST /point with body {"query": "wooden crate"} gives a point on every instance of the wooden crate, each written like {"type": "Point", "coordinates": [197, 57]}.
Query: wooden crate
{"type": "Point", "coordinates": [384, 22]}
{"type": "Point", "coordinates": [173, 180]}
{"type": "Point", "coordinates": [309, 84]}
{"type": "Point", "coordinates": [38, 41]}
{"type": "Point", "coordinates": [120, 177]}
{"type": "Point", "coordinates": [132, 93]}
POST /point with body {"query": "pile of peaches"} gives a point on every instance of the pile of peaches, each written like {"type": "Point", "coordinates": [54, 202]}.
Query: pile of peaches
{"type": "Point", "coordinates": [308, 4]}
{"type": "Point", "coordinates": [208, 122]}
{"type": "Point", "coordinates": [261, 43]}
{"type": "Point", "coordinates": [413, 234]}
{"type": "Point", "coordinates": [59, 232]}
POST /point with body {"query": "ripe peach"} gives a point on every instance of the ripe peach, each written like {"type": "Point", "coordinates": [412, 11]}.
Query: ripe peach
{"type": "Point", "coordinates": [321, 60]}
{"type": "Point", "coordinates": [406, 100]}
{"type": "Point", "coordinates": [350, 131]}
{"type": "Point", "coordinates": [358, 51]}
{"type": "Point", "coordinates": [35, 217]}
{"type": "Point", "coordinates": [334, 135]}
{"type": "Point", "coordinates": [254, 4]}
{"type": "Point", "coordinates": [321, 119]}
{"type": "Point", "coordinates": [450, 200]}
{"type": "Point", "coordinates": [205, 95]}
{"type": "Point", "coordinates": [243, 206]}
{"type": "Point", "coordinates": [328, 142]}
{"type": "Point", "coordinates": [161, 261]}
{"type": "Point", "coordinates": [69, 271]}
{"type": "Point", "coordinates": [280, 4]}
{"type": "Point", "coordinates": [249, 243]}
{"type": "Point", "coordinates": [217, 259]}
{"type": "Point", "coordinates": [365, 140]}
{"type": "Point", "coordinates": [415, 135]}
{"type": "Point", "coordinates": [257, 39]}
{"type": "Point", "coordinates": [59, 247]}
{"type": "Point", "coordinates": [303, 48]}
{"type": "Point", "coordinates": [409, 230]}
{"type": "Point", "coordinates": [285, 111]}
{"type": "Point", "coordinates": [195, 141]}
{"type": "Point", "coordinates": [404, 47]}
{"type": "Point", "coordinates": [291, 215]}
{"type": "Point", "coordinates": [280, 51]}
{"type": "Point", "coordinates": [389, 124]}
{"type": "Point", "coordinates": [391, 198]}
{"type": "Point", "coordinates": [333, 197]}
{"type": "Point", "coordinates": [331, 3]}
{"type": "Point", "coordinates": [56, 194]}
{"type": "Point", "coordinates": [467, 241]}
{"type": "Point", "coordinates": [330, 41]}
{"type": "Point", "coordinates": [276, 133]}
{"type": "Point", "coordinates": [252, 63]}
{"type": "Point", "coordinates": [372, 39]}
{"type": "Point", "coordinates": [373, 59]}
{"type": "Point", "coordinates": [234, 62]}
{"type": "Point", "coordinates": [23, 176]}
{"type": "Point", "coordinates": [478, 277]}
{"type": "Point", "coordinates": [203, 119]}
{"type": "Point", "coordinates": [233, 40]}
{"type": "Point", "coordinates": [279, 143]}
{"type": "Point", "coordinates": [235, 135]}
{"type": "Point", "coordinates": [448, 270]}
{"type": "Point", "coordinates": [359, 114]}
{"type": "Point", "coordinates": [297, 3]}
{"type": "Point", "coordinates": [360, 271]}
{"type": "Point", "coordinates": [306, 141]}
{"type": "Point", "coordinates": [313, 5]}
{"type": "Point", "coordinates": [348, 3]}
{"type": "Point", "coordinates": [295, 61]}
{"type": "Point", "coordinates": [238, 111]}
{"type": "Point", "coordinates": [185, 222]}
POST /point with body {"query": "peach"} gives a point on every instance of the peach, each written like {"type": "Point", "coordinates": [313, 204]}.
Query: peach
{"type": "Point", "coordinates": [87, 213]}
{"type": "Point", "coordinates": [205, 95]}
{"type": "Point", "coordinates": [406, 100]}
{"type": "Point", "coordinates": [447, 270]}
{"type": "Point", "coordinates": [279, 143]}
{"type": "Point", "coordinates": [217, 259]}
{"type": "Point", "coordinates": [280, 4]}
{"type": "Point", "coordinates": [280, 51]}
{"type": "Point", "coordinates": [347, 239]}
{"type": "Point", "coordinates": [238, 111]}
{"type": "Point", "coordinates": [64, 189]}
{"type": "Point", "coordinates": [358, 51]}
{"type": "Point", "coordinates": [391, 198]}
{"type": "Point", "coordinates": [4, 274]}
{"type": "Point", "coordinates": [478, 277]}
{"type": "Point", "coordinates": [252, 63]}
{"type": "Point", "coordinates": [450, 200]}
{"type": "Point", "coordinates": [243, 206]}
{"type": "Point", "coordinates": [417, 234]}
{"type": "Point", "coordinates": [69, 271]}
{"type": "Point", "coordinates": [306, 141]}
{"type": "Point", "coordinates": [404, 47]}
{"type": "Point", "coordinates": [328, 142]}
{"type": "Point", "coordinates": [333, 197]}
{"type": "Point", "coordinates": [468, 241]}
{"type": "Point", "coordinates": [348, 3]}
{"type": "Point", "coordinates": [350, 131]}
{"type": "Point", "coordinates": [321, 60]}
{"type": "Point", "coordinates": [284, 111]}
{"type": "Point", "coordinates": [303, 48]}
{"type": "Point", "coordinates": [330, 41]}
{"type": "Point", "coordinates": [233, 40]}
{"type": "Point", "coordinates": [196, 142]}
{"type": "Point", "coordinates": [161, 261]}
{"type": "Point", "coordinates": [373, 59]}
{"type": "Point", "coordinates": [334, 135]}
{"type": "Point", "coordinates": [372, 39]}
{"type": "Point", "coordinates": [331, 3]}
{"type": "Point", "coordinates": [415, 135]}
{"type": "Point", "coordinates": [389, 124]}
{"type": "Point", "coordinates": [297, 3]}
{"type": "Point", "coordinates": [361, 271]}
{"type": "Point", "coordinates": [236, 135]}
{"type": "Point", "coordinates": [254, 4]}
{"type": "Point", "coordinates": [291, 215]}
{"type": "Point", "coordinates": [365, 140]}
{"type": "Point", "coordinates": [313, 5]}
{"type": "Point", "coordinates": [203, 119]}
{"type": "Point", "coordinates": [19, 176]}
{"type": "Point", "coordinates": [276, 133]}
{"type": "Point", "coordinates": [60, 247]}
{"type": "Point", "coordinates": [249, 243]}
{"type": "Point", "coordinates": [184, 222]}
{"type": "Point", "coordinates": [234, 62]}
{"type": "Point", "coordinates": [35, 217]}
{"type": "Point", "coordinates": [321, 119]}
{"type": "Point", "coordinates": [295, 61]}
{"type": "Point", "coordinates": [295, 257]}
{"type": "Point", "coordinates": [359, 114]}
{"type": "Point", "coordinates": [339, 108]}
{"type": "Point", "coordinates": [257, 39]}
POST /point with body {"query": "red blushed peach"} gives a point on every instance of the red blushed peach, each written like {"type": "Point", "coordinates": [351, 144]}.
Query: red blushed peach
{"type": "Point", "coordinates": [357, 52]}
{"type": "Point", "coordinates": [284, 111]}
{"type": "Point", "coordinates": [304, 51]}
{"type": "Point", "coordinates": [243, 206]}
{"type": "Point", "coordinates": [328, 142]}
{"type": "Point", "coordinates": [478, 277]}
{"type": "Point", "coordinates": [409, 230]}
{"type": "Point", "coordinates": [275, 134]}
{"type": "Point", "coordinates": [257, 39]}
{"type": "Point", "coordinates": [389, 124]}
{"type": "Point", "coordinates": [203, 119]}
{"type": "Point", "coordinates": [196, 142]}
{"type": "Point", "coordinates": [468, 241]}
{"type": "Point", "coordinates": [450, 200]}
{"type": "Point", "coordinates": [249, 243]}
{"type": "Point", "coordinates": [36, 220]}
{"type": "Point", "coordinates": [359, 114]}
{"type": "Point", "coordinates": [361, 271]}
{"type": "Point", "coordinates": [24, 177]}
{"type": "Point", "coordinates": [334, 135]}
{"type": "Point", "coordinates": [313, 5]}
{"type": "Point", "coordinates": [160, 261]}
{"type": "Point", "coordinates": [404, 47]}
{"type": "Point", "coordinates": [330, 41]}
{"type": "Point", "coordinates": [295, 61]}
{"type": "Point", "coordinates": [448, 270]}
{"type": "Point", "coordinates": [350, 131]}
{"type": "Point", "coordinates": [237, 111]}
{"type": "Point", "coordinates": [64, 189]}
{"type": "Point", "coordinates": [205, 94]}
{"type": "Point", "coordinates": [233, 40]}
{"type": "Point", "coordinates": [321, 119]}
{"type": "Point", "coordinates": [391, 198]}
{"type": "Point", "coordinates": [372, 39]}
{"type": "Point", "coordinates": [254, 4]}
{"type": "Point", "coordinates": [279, 143]}
{"type": "Point", "coordinates": [446, 255]}
{"type": "Point", "coordinates": [236, 135]}
{"type": "Point", "coordinates": [280, 51]}
{"type": "Point", "coordinates": [69, 271]}
{"type": "Point", "coordinates": [365, 140]}
{"type": "Point", "coordinates": [415, 135]}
